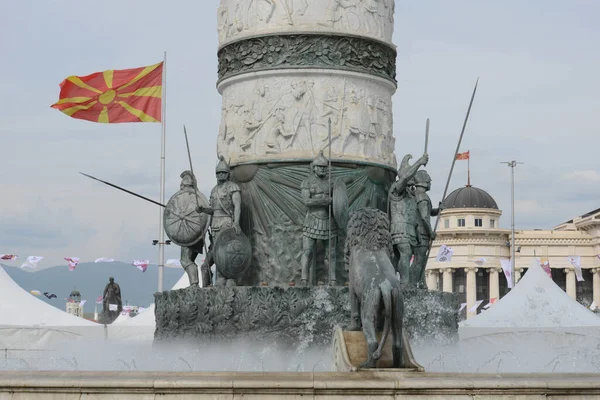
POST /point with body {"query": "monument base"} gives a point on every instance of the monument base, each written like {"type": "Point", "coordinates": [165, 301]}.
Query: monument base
{"type": "Point", "coordinates": [295, 316]}
{"type": "Point", "coordinates": [350, 351]}
{"type": "Point", "coordinates": [294, 385]}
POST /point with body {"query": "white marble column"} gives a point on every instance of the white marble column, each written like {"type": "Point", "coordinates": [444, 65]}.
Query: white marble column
{"type": "Point", "coordinates": [448, 280]}
{"type": "Point", "coordinates": [494, 283]}
{"type": "Point", "coordinates": [432, 283]}
{"type": "Point", "coordinates": [571, 285]}
{"type": "Point", "coordinates": [471, 290]}
{"type": "Point", "coordinates": [596, 273]}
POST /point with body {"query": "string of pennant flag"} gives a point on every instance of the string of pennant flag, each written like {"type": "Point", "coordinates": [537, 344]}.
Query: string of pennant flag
{"type": "Point", "coordinates": [72, 262]}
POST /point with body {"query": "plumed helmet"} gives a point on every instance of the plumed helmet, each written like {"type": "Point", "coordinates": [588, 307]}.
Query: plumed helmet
{"type": "Point", "coordinates": [189, 173]}
{"type": "Point", "coordinates": [422, 177]}
{"type": "Point", "coordinates": [222, 166]}
{"type": "Point", "coordinates": [320, 161]}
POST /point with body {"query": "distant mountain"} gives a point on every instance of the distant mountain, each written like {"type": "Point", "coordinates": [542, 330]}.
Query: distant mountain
{"type": "Point", "coordinates": [89, 279]}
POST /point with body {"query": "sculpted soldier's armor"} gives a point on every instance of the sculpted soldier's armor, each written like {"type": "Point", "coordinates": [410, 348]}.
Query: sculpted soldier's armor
{"type": "Point", "coordinates": [425, 233]}
{"type": "Point", "coordinates": [189, 253]}
{"type": "Point", "coordinates": [225, 205]}
{"type": "Point", "coordinates": [403, 215]}
{"type": "Point", "coordinates": [316, 194]}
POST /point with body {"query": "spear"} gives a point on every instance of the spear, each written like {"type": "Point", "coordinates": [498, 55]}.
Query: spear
{"type": "Point", "coordinates": [462, 132]}
{"type": "Point", "coordinates": [125, 190]}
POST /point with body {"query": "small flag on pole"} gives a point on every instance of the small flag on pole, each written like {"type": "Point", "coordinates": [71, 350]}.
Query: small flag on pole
{"type": "Point", "coordinates": [32, 262]}
{"type": "Point", "coordinates": [480, 261]}
{"type": "Point", "coordinates": [104, 260]}
{"type": "Point", "coordinates": [576, 263]}
{"type": "Point", "coordinates": [173, 263]}
{"type": "Point", "coordinates": [463, 156]}
{"type": "Point", "coordinates": [462, 306]}
{"type": "Point", "coordinates": [50, 295]}
{"type": "Point", "coordinates": [8, 257]}
{"type": "Point", "coordinates": [506, 267]}
{"type": "Point", "coordinates": [142, 265]}
{"type": "Point", "coordinates": [444, 254]}
{"type": "Point", "coordinates": [475, 306]}
{"type": "Point", "coordinates": [99, 300]}
{"type": "Point", "coordinates": [127, 95]}
{"type": "Point", "coordinates": [82, 302]}
{"type": "Point", "coordinates": [72, 262]}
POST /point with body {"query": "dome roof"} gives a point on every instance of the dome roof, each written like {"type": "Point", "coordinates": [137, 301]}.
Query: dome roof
{"type": "Point", "coordinates": [470, 197]}
{"type": "Point", "coordinates": [75, 293]}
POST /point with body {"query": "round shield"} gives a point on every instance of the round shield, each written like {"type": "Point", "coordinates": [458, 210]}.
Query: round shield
{"type": "Point", "coordinates": [340, 204]}
{"type": "Point", "coordinates": [183, 224]}
{"type": "Point", "coordinates": [232, 253]}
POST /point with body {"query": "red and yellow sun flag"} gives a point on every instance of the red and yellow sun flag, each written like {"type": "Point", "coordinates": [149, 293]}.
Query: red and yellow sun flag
{"type": "Point", "coordinates": [127, 95]}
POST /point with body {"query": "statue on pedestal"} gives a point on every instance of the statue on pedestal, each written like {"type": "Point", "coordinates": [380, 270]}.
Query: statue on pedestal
{"type": "Point", "coordinates": [425, 234]}
{"type": "Point", "coordinates": [403, 214]}
{"type": "Point", "coordinates": [111, 302]}
{"type": "Point", "coordinates": [316, 194]}
{"type": "Point", "coordinates": [224, 210]}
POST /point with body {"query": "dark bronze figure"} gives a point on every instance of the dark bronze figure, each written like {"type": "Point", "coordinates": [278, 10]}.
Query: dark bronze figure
{"type": "Point", "coordinates": [224, 210]}
{"type": "Point", "coordinates": [111, 296]}
{"type": "Point", "coordinates": [403, 214]}
{"type": "Point", "coordinates": [425, 233]}
{"type": "Point", "coordinates": [316, 193]}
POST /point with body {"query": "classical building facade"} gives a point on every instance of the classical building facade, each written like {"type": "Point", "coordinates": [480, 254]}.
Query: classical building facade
{"type": "Point", "coordinates": [470, 225]}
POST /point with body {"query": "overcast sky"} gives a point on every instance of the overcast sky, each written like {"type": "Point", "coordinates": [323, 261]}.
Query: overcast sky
{"type": "Point", "coordinates": [538, 102]}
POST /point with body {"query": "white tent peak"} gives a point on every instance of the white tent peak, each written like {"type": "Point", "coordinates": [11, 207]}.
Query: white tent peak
{"type": "Point", "coordinates": [20, 308]}
{"type": "Point", "coordinates": [536, 302]}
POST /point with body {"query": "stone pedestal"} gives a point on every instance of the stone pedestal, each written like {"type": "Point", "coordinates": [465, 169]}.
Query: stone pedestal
{"type": "Point", "coordinates": [292, 315]}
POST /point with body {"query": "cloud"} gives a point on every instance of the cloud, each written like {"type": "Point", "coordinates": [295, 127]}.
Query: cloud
{"type": "Point", "coordinates": [587, 176]}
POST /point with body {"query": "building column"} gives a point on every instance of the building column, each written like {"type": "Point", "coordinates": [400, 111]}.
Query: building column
{"type": "Point", "coordinates": [494, 283]}
{"type": "Point", "coordinates": [596, 273]}
{"type": "Point", "coordinates": [448, 280]}
{"type": "Point", "coordinates": [432, 283]}
{"type": "Point", "coordinates": [471, 290]}
{"type": "Point", "coordinates": [571, 285]}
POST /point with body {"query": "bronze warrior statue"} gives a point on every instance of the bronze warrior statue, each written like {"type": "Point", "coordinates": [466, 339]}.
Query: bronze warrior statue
{"type": "Point", "coordinates": [425, 233]}
{"type": "Point", "coordinates": [189, 253]}
{"type": "Point", "coordinates": [403, 214]}
{"type": "Point", "coordinates": [111, 295]}
{"type": "Point", "coordinates": [224, 210]}
{"type": "Point", "coordinates": [316, 194]}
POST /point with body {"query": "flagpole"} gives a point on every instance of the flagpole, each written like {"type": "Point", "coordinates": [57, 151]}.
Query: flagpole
{"type": "Point", "coordinates": [161, 231]}
{"type": "Point", "coordinates": [469, 170]}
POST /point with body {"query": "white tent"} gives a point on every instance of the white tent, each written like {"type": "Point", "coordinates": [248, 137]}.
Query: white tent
{"type": "Point", "coordinates": [27, 322]}
{"type": "Point", "coordinates": [536, 304]}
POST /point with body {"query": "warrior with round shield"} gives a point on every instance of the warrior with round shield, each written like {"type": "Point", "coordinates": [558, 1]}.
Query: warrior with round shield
{"type": "Point", "coordinates": [316, 194]}
{"type": "Point", "coordinates": [224, 210]}
{"type": "Point", "coordinates": [185, 226]}
{"type": "Point", "coordinates": [403, 214]}
{"type": "Point", "coordinates": [425, 233]}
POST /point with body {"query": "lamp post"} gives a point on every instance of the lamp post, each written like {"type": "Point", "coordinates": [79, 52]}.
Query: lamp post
{"type": "Point", "coordinates": [512, 165]}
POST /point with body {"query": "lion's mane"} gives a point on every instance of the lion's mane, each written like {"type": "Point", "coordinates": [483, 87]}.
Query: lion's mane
{"type": "Point", "coordinates": [369, 229]}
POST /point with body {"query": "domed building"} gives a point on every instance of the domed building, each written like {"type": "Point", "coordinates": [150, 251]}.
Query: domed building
{"type": "Point", "coordinates": [74, 304]}
{"type": "Point", "coordinates": [470, 225]}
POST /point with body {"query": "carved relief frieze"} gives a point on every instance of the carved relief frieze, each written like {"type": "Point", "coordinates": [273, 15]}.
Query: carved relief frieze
{"type": "Point", "coordinates": [278, 52]}
{"type": "Point", "coordinates": [287, 116]}
{"type": "Point", "coordinates": [242, 18]}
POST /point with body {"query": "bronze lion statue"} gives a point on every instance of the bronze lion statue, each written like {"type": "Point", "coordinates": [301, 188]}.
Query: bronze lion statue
{"type": "Point", "coordinates": [374, 288]}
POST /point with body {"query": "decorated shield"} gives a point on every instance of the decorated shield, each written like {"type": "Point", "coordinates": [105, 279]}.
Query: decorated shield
{"type": "Point", "coordinates": [340, 204]}
{"type": "Point", "coordinates": [183, 224]}
{"type": "Point", "coordinates": [232, 253]}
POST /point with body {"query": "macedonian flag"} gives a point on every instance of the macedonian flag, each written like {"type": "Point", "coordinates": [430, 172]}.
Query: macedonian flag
{"type": "Point", "coordinates": [127, 95]}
